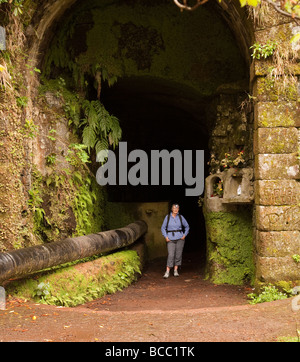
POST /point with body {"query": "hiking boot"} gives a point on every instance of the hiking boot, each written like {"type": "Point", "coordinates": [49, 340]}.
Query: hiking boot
{"type": "Point", "coordinates": [176, 273]}
{"type": "Point", "coordinates": [167, 274]}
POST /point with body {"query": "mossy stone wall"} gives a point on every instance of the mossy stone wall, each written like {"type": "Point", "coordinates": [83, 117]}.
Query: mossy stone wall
{"type": "Point", "coordinates": [230, 246]}
{"type": "Point", "coordinates": [276, 149]}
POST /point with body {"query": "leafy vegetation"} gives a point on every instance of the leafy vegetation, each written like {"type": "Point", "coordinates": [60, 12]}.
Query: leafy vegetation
{"type": "Point", "coordinates": [83, 203]}
{"type": "Point", "coordinates": [77, 154]}
{"type": "Point", "coordinates": [290, 339]}
{"type": "Point", "coordinates": [263, 51]}
{"type": "Point", "coordinates": [30, 129]}
{"type": "Point", "coordinates": [269, 294]}
{"type": "Point", "coordinates": [17, 6]}
{"type": "Point", "coordinates": [229, 161]}
{"type": "Point", "coordinates": [296, 258]}
{"type": "Point", "coordinates": [100, 129]}
{"type": "Point", "coordinates": [73, 190]}
{"type": "Point", "coordinates": [73, 285]}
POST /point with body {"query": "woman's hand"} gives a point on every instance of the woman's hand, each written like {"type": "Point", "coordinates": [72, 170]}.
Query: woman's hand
{"type": "Point", "coordinates": [183, 237]}
{"type": "Point", "coordinates": [167, 239]}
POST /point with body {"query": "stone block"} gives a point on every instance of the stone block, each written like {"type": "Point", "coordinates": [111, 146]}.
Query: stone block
{"type": "Point", "coordinates": [277, 243]}
{"type": "Point", "coordinates": [272, 270]}
{"type": "Point", "coordinates": [261, 67]}
{"type": "Point", "coordinates": [277, 167]}
{"type": "Point", "coordinates": [277, 192]}
{"type": "Point", "coordinates": [269, 90]}
{"type": "Point", "coordinates": [271, 18]}
{"type": "Point", "coordinates": [276, 140]}
{"type": "Point", "coordinates": [274, 27]}
{"type": "Point", "coordinates": [277, 218]}
{"type": "Point", "coordinates": [276, 114]}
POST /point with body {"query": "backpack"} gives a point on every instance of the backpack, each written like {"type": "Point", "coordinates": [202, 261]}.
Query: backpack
{"type": "Point", "coordinates": [182, 227]}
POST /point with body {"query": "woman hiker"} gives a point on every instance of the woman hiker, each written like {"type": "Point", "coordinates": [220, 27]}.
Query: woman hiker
{"type": "Point", "coordinates": [174, 228]}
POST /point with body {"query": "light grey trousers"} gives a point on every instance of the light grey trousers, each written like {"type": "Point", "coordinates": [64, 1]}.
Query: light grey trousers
{"type": "Point", "coordinates": [175, 249]}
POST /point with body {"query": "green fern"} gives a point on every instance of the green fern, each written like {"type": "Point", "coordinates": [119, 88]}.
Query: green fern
{"type": "Point", "coordinates": [101, 145]}
{"type": "Point", "coordinates": [100, 129]}
{"type": "Point", "coordinates": [89, 137]}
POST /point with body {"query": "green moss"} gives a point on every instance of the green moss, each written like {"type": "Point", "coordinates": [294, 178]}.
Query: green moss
{"type": "Point", "coordinates": [284, 286]}
{"type": "Point", "coordinates": [272, 89]}
{"type": "Point", "coordinates": [70, 200]}
{"type": "Point", "coordinates": [229, 247]}
{"type": "Point", "coordinates": [118, 215]}
{"type": "Point", "coordinates": [80, 283]}
{"type": "Point", "coordinates": [266, 88]}
{"type": "Point", "coordinates": [15, 221]}
{"type": "Point", "coordinates": [68, 204]}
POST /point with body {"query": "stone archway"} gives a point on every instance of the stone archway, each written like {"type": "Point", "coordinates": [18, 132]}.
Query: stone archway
{"type": "Point", "coordinates": [275, 117]}
{"type": "Point", "coordinates": [195, 94]}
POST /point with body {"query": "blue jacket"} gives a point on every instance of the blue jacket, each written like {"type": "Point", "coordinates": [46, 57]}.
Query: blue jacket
{"type": "Point", "coordinates": [174, 224]}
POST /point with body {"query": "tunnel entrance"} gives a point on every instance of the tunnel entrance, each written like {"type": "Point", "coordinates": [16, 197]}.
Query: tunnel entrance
{"type": "Point", "coordinates": [167, 76]}
{"type": "Point", "coordinates": [151, 118]}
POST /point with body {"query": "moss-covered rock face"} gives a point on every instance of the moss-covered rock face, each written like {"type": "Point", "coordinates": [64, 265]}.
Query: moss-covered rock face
{"type": "Point", "coordinates": [77, 284]}
{"type": "Point", "coordinates": [229, 247]}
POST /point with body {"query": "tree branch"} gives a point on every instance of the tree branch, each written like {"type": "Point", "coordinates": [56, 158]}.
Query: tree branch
{"type": "Point", "coordinates": [184, 6]}
{"type": "Point", "coordinates": [285, 13]}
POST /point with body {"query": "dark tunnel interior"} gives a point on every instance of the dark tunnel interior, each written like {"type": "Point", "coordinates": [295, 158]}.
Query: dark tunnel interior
{"type": "Point", "coordinates": [156, 116]}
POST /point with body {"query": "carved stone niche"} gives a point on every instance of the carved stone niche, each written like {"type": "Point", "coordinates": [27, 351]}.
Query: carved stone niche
{"type": "Point", "coordinates": [237, 187]}
{"type": "Point", "coordinates": [213, 203]}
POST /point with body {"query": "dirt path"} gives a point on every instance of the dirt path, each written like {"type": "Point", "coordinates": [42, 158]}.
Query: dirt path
{"type": "Point", "coordinates": [188, 291]}
{"type": "Point", "coordinates": [183, 309]}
